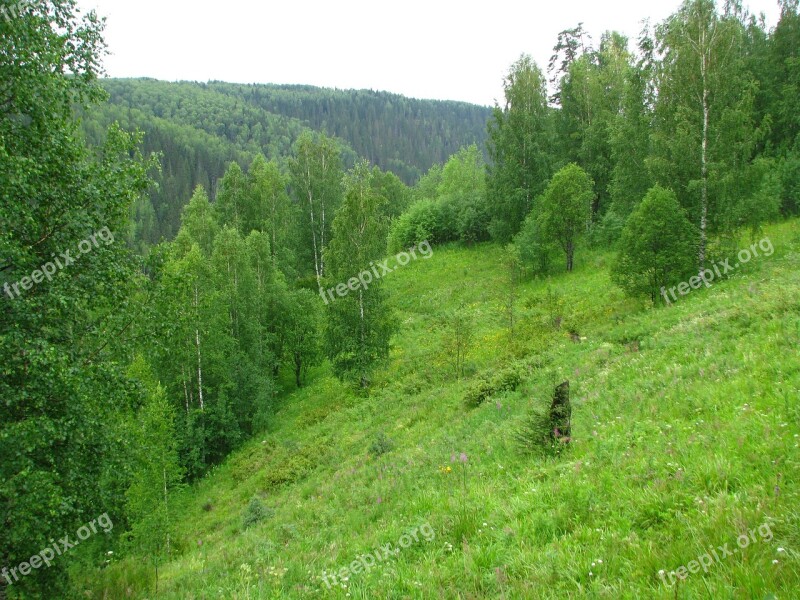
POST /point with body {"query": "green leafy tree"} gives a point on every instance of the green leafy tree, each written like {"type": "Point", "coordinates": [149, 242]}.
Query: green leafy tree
{"type": "Point", "coordinates": [704, 133]}
{"type": "Point", "coordinates": [316, 175]}
{"type": "Point", "coordinates": [303, 332]}
{"type": "Point", "coordinates": [63, 454]}
{"type": "Point", "coordinates": [519, 142]}
{"type": "Point", "coordinates": [156, 471]}
{"type": "Point", "coordinates": [273, 211]}
{"type": "Point", "coordinates": [360, 323]}
{"type": "Point", "coordinates": [630, 131]}
{"type": "Point", "coordinates": [657, 247]}
{"type": "Point", "coordinates": [534, 248]}
{"type": "Point", "coordinates": [397, 194]}
{"type": "Point", "coordinates": [565, 209]}
{"type": "Point", "coordinates": [233, 203]}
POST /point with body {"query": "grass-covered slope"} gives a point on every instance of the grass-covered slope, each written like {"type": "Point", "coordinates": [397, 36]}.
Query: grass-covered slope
{"type": "Point", "coordinates": [685, 436]}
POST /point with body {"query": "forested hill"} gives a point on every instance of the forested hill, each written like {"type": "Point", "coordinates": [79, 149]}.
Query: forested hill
{"type": "Point", "coordinates": [399, 134]}
{"type": "Point", "coordinates": [200, 128]}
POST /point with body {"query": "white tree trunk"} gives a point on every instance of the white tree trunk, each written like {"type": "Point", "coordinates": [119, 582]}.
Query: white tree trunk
{"type": "Point", "coordinates": [199, 361]}
{"type": "Point", "coordinates": [313, 227]}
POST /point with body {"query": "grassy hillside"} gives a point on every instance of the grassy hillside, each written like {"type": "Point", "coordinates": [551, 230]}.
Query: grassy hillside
{"type": "Point", "coordinates": [685, 436]}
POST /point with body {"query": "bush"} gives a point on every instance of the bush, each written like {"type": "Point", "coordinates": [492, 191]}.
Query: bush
{"type": "Point", "coordinates": [421, 223]}
{"type": "Point", "coordinates": [255, 513]}
{"type": "Point", "coordinates": [381, 445]}
{"type": "Point", "coordinates": [657, 248]}
{"type": "Point", "coordinates": [473, 220]}
{"type": "Point", "coordinates": [534, 250]}
{"type": "Point", "coordinates": [505, 380]}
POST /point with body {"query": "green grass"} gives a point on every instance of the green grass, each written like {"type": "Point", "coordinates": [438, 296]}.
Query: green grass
{"type": "Point", "coordinates": [685, 435]}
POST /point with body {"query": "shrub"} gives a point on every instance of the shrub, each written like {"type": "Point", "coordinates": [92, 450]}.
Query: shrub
{"type": "Point", "coordinates": [505, 380]}
{"type": "Point", "coordinates": [255, 513]}
{"type": "Point", "coordinates": [381, 445]}
{"type": "Point", "coordinates": [421, 223]}
{"type": "Point", "coordinates": [473, 220]}
{"type": "Point", "coordinates": [534, 249]}
{"type": "Point", "coordinates": [607, 232]}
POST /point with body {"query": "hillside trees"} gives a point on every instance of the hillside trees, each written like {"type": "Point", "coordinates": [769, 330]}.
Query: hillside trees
{"type": "Point", "coordinates": [360, 323]}
{"type": "Point", "coordinates": [218, 305]}
{"type": "Point", "coordinates": [316, 171]}
{"type": "Point", "coordinates": [64, 458]}
{"type": "Point", "coordinates": [451, 205]}
{"type": "Point", "coordinates": [591, 95]}
{"type": "Point", "coordinates": [518, 147]}
{"type": "Point", "coordinates": [704, 130]}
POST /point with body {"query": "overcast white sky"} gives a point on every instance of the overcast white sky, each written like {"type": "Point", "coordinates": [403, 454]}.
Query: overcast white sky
{"type": "Point", "coordinates": [443, 49]}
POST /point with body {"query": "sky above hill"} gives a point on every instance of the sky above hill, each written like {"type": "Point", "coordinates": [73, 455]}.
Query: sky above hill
{"type": "Point", "coordinates": [437, 49]}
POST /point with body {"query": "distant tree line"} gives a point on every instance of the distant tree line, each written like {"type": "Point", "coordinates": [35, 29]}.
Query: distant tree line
{"type": "Point", "coordinates": [200, 128]}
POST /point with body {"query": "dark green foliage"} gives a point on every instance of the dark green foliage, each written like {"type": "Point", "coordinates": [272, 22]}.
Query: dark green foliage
{"type": "Point", "coordinates": [255, 513]}
{"type": "Point", "coordinates": [606, 233]}
{"type": "Point", "coordinates": [488, 385]}
{"type": "Point", "coordinates": [381, 444]}
{"type": "Point", "coordinates": [200, 128]}
{"type": "Point", "coordinates": [657, 248]}
{"type": "Point", "coordinates": [790, 182]}
{"type": "Point", "coordinates": [302, 330]}
{"type": "Point", "coordinates": [65, 457]}
{"type": "Point", "coordinates": [402, 135]}
{"type": "Point", "coordinates": [520, 136]}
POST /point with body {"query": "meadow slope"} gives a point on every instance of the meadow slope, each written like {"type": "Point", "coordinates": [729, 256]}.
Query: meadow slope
{"type": "Point", "coordinates": [685, 436]}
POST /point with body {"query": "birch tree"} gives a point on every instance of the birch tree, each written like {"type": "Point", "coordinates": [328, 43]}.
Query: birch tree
{"type": "Point", "coordinates": [519, 143]}
{"type": "Point", "coordinates": [316, 172]}
{"type": "Point", "coordinates": [359, 324]}
{"type": "Point", "coordinates": [703, 90]}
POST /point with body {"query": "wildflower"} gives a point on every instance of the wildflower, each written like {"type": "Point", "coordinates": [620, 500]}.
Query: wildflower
{"type": "Point", "coordinates": [775, 562]}
{"type": "Point", "coordinates": [463, 458]}
{"type": "Point", "coordinates": [781, 550]}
